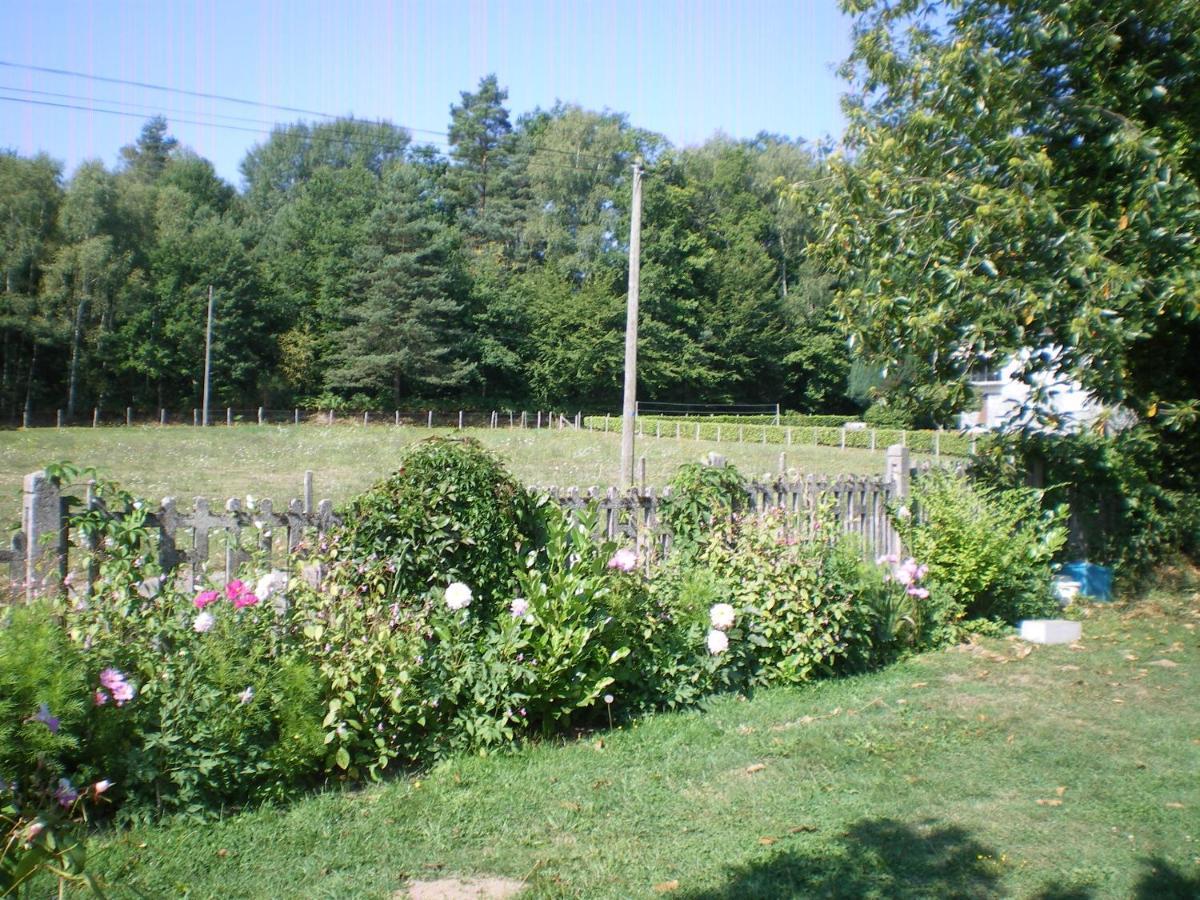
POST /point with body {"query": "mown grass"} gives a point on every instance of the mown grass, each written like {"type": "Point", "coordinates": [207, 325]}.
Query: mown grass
{"type": "Point", "coordinates": [993, 769]}
{"type": "Point", "coordinates": [270, 460]}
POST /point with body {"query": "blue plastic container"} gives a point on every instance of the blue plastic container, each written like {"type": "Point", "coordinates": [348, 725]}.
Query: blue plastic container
{"type": "Point", "coordinates": [1094, 581]}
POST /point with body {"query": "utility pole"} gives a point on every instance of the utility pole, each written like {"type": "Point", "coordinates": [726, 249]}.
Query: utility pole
{"type": "Point", "coordinates": [629, 408]}
{"type": "Point", "coordinates": [208, 354]}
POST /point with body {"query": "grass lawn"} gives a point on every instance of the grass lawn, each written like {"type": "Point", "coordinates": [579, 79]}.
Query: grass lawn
{"type": "Point", "coordinates": [993, 769]}
{"type": "Point", "coordinates": [270, 460]}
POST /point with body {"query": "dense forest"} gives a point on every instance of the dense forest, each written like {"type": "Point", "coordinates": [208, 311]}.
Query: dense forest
{"type": "Point", "coordinates": [358, 268]}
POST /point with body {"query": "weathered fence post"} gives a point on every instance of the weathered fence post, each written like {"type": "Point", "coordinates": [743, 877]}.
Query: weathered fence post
{"type": "Point", "coordinates": [129, 415]}
{"type": "Point", "coordinates": [510, 419]}
{"type": "Point", "coordinates": [58, 420]}
{"type": "Point", "coordinates": [872, 438]}
{"type": "Point", "coordinates": [606, 423]}
{"type": "Point", "coordinates": [195, 417]}
{"type": "Point", "coordinates": [641, 472]}
{"type": "Point", "coordinates": [96, 417]}
{"type": "Point", "coordinates": [460, 419]}
{"type": "Point", "coordinates": [896, 471]}
{"type": "Point", "coordinates": [260, 415]}
{"type": "Point", "coordinates": [843, 437]}
{"type": "Point", "coordinates": [229, 417]}
{"type": "Point", "coordinates": [295, 416]}
{"type": "Point", "coordinates": [366, 417]}
{"type": "Point", "coordinates": [26, 418]}
{"type": "Point", "coordinates": [658, 429]}
{"type": "Point", "coordinates": [524, 419]}
{"type": "Point", "coordinates": [397, 418]}
{"type": "Point", "coordinates": [308, 491]}
{"type": "Point", "coordinates": [539, 420]}
{"type": "Point", "coordinates": [429, 419]}
{"type": "Point", "coordinates": [41, 514]}
{"type": "Point", "coordinates": [330, 416]}
{"type": "Point", "coordinates": [578, 420]}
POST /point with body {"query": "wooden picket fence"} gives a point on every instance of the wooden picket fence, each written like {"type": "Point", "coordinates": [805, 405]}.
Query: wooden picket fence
{"type": "Point", "coordinates": [200, 541]}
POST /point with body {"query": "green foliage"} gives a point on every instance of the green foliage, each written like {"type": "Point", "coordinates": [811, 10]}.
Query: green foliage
{"type": "Point", "coordinates": [1021, 181]}
{"type": "Point", "coordinates": [889, 415]}
{"type": "Point", "coordinates": [39, 669]}
{"type": "Point", "coordinates": [989, 550]}
{"type": "Point", "coordinates": [792, 591]}
{"type": "Point", "coordinates": [701, 497]}
{"type": "Point", "coordinates": [449, 513]}
{"type": "Point", "coordinates": [1132, 506]}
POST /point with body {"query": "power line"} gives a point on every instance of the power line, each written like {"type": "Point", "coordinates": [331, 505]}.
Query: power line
{"type": "Point", "coordinates": [327, 138]}
{"type": "Point", "coordinates": [246, 102]}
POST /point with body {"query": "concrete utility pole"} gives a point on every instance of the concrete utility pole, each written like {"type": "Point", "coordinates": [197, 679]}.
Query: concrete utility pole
{"type": "Point", "coordinates": [208, 354]}
{"type": "Point", "coordinates": [629, 407]}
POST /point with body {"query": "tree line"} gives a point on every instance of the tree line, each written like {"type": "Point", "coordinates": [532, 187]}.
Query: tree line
{"type": "Point", "coordinates": [356, 267]}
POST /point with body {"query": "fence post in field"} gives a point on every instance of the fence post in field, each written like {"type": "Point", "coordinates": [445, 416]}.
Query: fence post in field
{"type": "Point", "coordinates": [195, 417]}
{"type": "Point", "coordinates": [658, 429]}
{"type": "Point", "coordinates": [641, 472]}
{"type": "Point", "coordinates": [524, 419]}
{"type": "Point", "coordinates": [260, 415]}
{"type": "Point", "coordinates": [330, 416]}
{"type": "Point", "coordinates": [539, 420]}
{"type": "Point", "coordinates": [95, 417]}
{"type": "Point", "coordinates": [816, 437]}
{"type": "Point", "coordinates": [676, 431]}
{"type": "Point", "coordinates": [578, 420]}
{"type": "Point", "coordinates": [741, 434]}
{"type": "Point", "coordinates": [460, 419]}
{"type": "Point", "coordinates": [229, 417]}
{"type": "Point", "coordinates": [58, 420]}
{"type": "Point", "coordinates": [429, 419]}
{"type": "Point", "coordinates": [41, 514]}
{"type": "Point", "coordinates": [843, 437]}
{"type": "Point", "coordinates": [308, 492]}
{"type": "Point", "coordinates": [510, 419]}
{"type": "Point", "coordinates": [788, 436]}
{"type": "Point", "coordinates": [872, 438]}
{"type": "Point", "coordinates": [129, 415]}
{"type": "Point", "coordinates": [366, 417]}
{"type": "Point", "coordinates": [162, 417]}
{"type": "Point", "coordinates": [606, 423]}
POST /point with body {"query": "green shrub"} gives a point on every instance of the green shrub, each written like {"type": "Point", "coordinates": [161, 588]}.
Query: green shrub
{"type": "Point", "coordinates": [700, 497]}
{"type": "Point", "coordinates": [225, 713]}
{"type": "Point", "coordinates": [449, 513]}
{"type": "Point", "coordinates": [417, 680]}
{"type": "Point", "coordinates": [794, 590]}
{"type": "Point", "coordinates": [1133, 502]}
{"type": "Point", "coordinates": [989, 551]}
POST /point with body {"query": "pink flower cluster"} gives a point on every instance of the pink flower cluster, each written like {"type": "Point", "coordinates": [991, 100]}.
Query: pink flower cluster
{"type": "Point", "coordinates": [624, 560]}
{"type": "Point", "coordinates": [906, 574]}
{"type": "Point", "coordinates": [114, 681]}
{"type": "Point", "coordinates": [237, 592]}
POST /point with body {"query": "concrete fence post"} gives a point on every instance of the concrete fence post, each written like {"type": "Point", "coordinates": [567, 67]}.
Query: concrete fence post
{"type": "Point", "coordinates": [897, 470]}
{"type": "Point", "coordinates": [260, 415]}
{"type": "Point", "coordinates": [59, 420]}
{"type": "Point", "coordinates": [129, 415]}
{"type": "Point", "coordinates": [41, 515]}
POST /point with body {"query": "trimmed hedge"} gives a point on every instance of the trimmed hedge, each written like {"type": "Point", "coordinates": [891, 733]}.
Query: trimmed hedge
{"type": "Point", "coordinates": [746, 430]}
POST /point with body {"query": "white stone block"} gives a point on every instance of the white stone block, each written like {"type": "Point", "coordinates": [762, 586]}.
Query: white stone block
{"type": "Point", "coordinates": [1051, 631]}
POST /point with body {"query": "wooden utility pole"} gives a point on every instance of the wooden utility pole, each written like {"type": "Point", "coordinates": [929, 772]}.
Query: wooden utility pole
{"type": "Point", "coordinates": [208, 354]}
{"type": "Point", "coordinates": [629, 406]}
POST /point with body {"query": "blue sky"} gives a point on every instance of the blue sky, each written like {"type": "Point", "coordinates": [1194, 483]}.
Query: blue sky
{"type": "Point", "coordinates": [685, 69]}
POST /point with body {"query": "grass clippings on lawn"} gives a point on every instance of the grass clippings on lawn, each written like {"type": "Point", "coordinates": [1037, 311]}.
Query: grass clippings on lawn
{"type": "Point", "coordinates": [993, 770]}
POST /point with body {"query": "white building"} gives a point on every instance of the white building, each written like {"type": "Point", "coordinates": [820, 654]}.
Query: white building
{"type": "Point", "coordinates": [1002, 394]}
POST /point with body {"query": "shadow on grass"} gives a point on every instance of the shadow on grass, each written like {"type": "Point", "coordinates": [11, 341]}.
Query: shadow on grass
{"type": "Point", "coordinates": [874, 858]}
{"type": "Point", "coordinates": [1162, 881]}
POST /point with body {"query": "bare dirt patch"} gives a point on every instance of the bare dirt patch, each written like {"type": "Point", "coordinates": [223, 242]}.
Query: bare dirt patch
{"type": "Point", "coordinates": [488, 888]}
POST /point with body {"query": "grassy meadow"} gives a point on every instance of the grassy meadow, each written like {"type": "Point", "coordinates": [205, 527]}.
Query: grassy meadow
{"type": "Point", "coordinates": [270, 460]}
{"type": "Point", "coordinates": [992, 769]}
